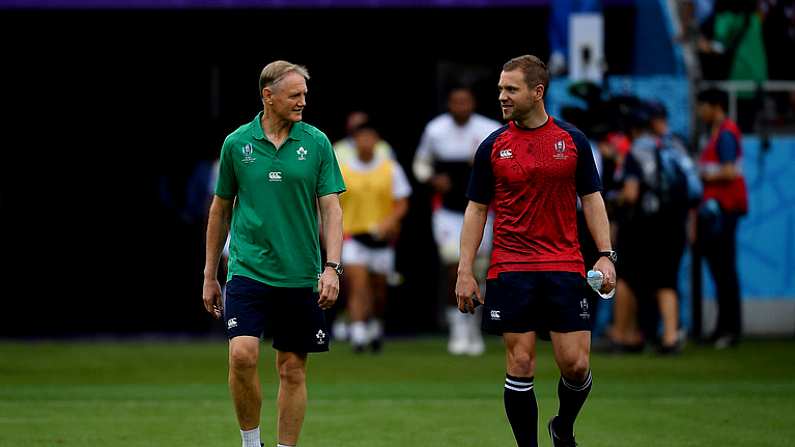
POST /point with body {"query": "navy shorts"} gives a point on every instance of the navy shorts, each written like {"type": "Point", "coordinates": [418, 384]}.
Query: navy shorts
{"type": "Point", "coordinates": [537, 302]}
{"type": "Point", "coordinates": [292, 315]}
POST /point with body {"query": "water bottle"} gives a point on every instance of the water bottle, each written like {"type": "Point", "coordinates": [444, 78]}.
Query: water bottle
{"type": "Point", "coordinates": [595, 279]}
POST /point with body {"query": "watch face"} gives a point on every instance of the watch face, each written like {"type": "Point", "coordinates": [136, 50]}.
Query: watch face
{"type": "Point", "coordinates": [337, 267]}
{"type": "Point", "coordinates": [611, 255]}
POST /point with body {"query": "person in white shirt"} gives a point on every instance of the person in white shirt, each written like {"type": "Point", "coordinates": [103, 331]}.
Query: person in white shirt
{"type": "Point", "coordinates": [444, 161]}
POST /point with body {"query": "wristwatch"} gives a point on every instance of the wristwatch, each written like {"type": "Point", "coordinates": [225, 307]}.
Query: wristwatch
{"type": "Point", "coordinates": [336, 266]}
{"type": "Point", "coordinates": [609, 254]}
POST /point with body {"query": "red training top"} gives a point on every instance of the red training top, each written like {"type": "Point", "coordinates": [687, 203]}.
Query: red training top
{"type": "Point", "coordinates": [531, 178]}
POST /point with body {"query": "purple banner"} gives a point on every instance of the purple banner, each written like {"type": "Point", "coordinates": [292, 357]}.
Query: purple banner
{"type": "Point", "coordinates": [265, 4]}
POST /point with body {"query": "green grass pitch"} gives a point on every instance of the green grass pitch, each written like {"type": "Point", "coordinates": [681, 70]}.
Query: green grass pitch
{"type": "Point", "coordinates": [132, 394]}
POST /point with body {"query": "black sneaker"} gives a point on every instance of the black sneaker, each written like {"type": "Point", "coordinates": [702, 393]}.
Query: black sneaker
{"type": "Point", "coordinates": [556, 441]}
{"type": "Point", "coordinates": [359, 349]}
{"type": "Point", "coordinates": [376, 346]}
{"type": "Point", "coordinates": [674, 349]}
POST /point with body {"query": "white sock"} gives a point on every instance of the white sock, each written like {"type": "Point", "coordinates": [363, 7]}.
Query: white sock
{"type": "Point", "coordinates": [250, 437]}
{"type": "Point", "coordinates": [375, 329]}
{"type": "Point", "coordinates": [474, 324]}
{"type": "Point", "coordinates": [359, 333]}
{"type": "Point", "coordinates": [458, 323]}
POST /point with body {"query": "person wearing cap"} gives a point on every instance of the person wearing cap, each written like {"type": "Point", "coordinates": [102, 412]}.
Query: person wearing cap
{"type": "Point", "coordinates": [660, 186]}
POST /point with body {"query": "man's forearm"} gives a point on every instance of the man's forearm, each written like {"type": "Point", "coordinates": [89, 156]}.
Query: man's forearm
{"type": "Point", "coordinates": [217, 232]}
{"type": "Point", "coordinates": [471, 234]}
{"type": "Point", "coordinates": [399, 211]}
{"type": "Point", "coordinates": [596, 217]}
{"type": "Point", "coordinates": [726, 172]}
{"type": "Point", "coordinates": [332, 232]}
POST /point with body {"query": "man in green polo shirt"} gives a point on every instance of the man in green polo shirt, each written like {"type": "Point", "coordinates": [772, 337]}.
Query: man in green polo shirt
{"type": "Point", "coordinates": [275, 173]}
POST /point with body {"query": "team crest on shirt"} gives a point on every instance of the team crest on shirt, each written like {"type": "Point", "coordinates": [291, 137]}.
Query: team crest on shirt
{"type": "Point", "coordinates": [560, 150]}
{"type": "Point", "coordinates": [301, 153]}
{"type": "Point", "coordinates": [247, 150]}
{"type": "Point", "coordinates": [506, 153]}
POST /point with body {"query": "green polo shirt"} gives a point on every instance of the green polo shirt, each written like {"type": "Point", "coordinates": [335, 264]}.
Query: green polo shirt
{"type": "Point", "coordinates": [274, 234]}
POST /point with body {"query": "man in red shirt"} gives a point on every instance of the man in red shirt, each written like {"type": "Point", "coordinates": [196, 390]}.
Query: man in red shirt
{"type": "Point", "coordinates": [531, 172]}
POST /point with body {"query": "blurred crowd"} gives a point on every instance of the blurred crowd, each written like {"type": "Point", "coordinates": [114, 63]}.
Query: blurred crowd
{"type": "Point", "coordinates": [662, 196]}
{"type": "Point", "coordinates": [742, 40]}
{"type": "Point", "coordinates": [664, 192]}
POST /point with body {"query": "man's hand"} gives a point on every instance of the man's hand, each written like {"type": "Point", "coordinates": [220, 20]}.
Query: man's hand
{"type": "Point", "coordinates": [213, 300]}
{"type": "Point", "coordinates": [441, 183]}
{"type": "Point", "coordinates": [607, 268]}
{"type": "Point", "coordinates": [328, 287]}
{"type": "Point", "coordinates": [387, 230]}
{"type": "Point", "coordinates": [465, 286]}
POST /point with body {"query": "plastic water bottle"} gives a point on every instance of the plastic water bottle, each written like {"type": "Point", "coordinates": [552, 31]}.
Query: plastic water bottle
{"type": "Point", "coordinates": [595, 279]}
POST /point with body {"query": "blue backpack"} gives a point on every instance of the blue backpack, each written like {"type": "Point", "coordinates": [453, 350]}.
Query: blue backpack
{"type": "Point", "coordinates": [679, 185]}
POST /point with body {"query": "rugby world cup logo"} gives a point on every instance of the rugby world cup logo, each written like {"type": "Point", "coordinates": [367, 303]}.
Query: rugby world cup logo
{"type": "Point", "coordinates": [247, 150]}
{"type": "Point", "coordinates": [584, 312]}
{"type": "Point", "coordinates": [560, 150]}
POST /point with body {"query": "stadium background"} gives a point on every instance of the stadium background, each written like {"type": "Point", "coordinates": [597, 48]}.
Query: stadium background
{"type": "Point", "coordinates": [110, 114]}
{"type": "Point", "coordinates": [108, 214]}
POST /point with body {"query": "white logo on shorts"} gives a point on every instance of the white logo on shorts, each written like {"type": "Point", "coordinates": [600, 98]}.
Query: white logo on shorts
{"type": "Point", "coordinates": [231, 323]}
{"type": "Point", "coordinates": [584, 308]}
{"type": "Point", "coordinates": [495, 314]}
{"type": "Point", "coordinates": [321, 337]}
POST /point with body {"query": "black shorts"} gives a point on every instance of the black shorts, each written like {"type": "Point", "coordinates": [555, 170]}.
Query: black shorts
{"type": "Point", "coordinates": [292, 315]}
{"type": "Point", "coordinates": [652, 259]}
{"type": "Point", "coordinates": [537, 302]}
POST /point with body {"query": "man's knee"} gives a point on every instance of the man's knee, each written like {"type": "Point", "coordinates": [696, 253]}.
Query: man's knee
{"type": "Point", "coordinates": [242, 357]}
{"type": "Point", "coordinates": [576, 367]}
{"type": "Point", "coordinates": [292, 371]}
{"type": "Point", "coordinates": [521, 364]}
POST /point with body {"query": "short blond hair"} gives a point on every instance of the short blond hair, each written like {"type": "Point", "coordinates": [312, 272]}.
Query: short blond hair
{"type": "Point", "coordinates": [276, 71]}
{"type": "Point", "coordinates": [534, 70]}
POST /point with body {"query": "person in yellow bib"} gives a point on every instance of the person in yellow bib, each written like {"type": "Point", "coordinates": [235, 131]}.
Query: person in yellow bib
{"type": "Point", "coordinates": [373, 206]}
{"type": "Point", "coordinates": [345, 149]}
